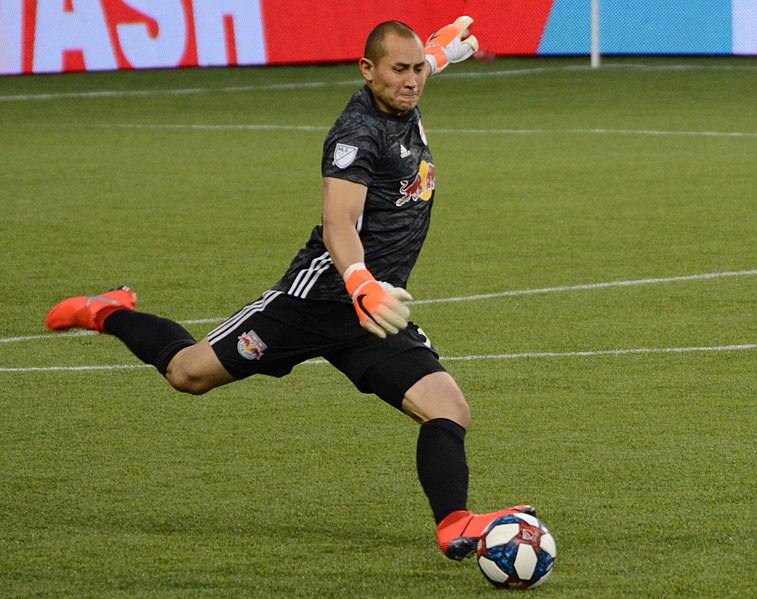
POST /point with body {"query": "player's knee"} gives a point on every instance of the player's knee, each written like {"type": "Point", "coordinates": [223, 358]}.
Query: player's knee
{"type": "Point", "coordinates": [452, 405]}
{"type": "Point", "coordinates": [183, 380]}
{"type": "Point", "coordinates": [437, 396]}
{"type": "Point", "coordinates": [453, 408]}
{"type": "Point", "coordinates": [461, 412]}
{"type": "Point", "coordinates": [196, 370]}
{"type": "Point", "coordinates": [188, 385]}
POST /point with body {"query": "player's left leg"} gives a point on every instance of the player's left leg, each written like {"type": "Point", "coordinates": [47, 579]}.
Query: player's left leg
{"type": "Point", "coordinates": [437, 395]}
{"type": "Point", "coordinates": [404, 371]}
{"type": "Point", "coordinates": [438, 403]}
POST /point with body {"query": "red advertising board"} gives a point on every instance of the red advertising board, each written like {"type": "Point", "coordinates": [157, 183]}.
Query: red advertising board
{"type": "Point", "coordinates": [74, 35]}
{"type": "Point", "coordinates": [337, 31]}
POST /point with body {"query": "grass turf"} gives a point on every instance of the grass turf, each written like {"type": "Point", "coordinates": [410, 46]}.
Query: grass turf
{"type": "Point", "coordinates": [642, 464]}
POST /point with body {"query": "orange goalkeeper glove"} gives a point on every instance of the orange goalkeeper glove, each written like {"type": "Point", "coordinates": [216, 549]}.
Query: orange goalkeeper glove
{"type": "Point", "coordinates": [381, 308]}
{"type": "Point", "coordinates": [450, 44]}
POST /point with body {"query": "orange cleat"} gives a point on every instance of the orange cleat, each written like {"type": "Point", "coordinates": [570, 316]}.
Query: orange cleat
{"type": "Point", "coordinates": [459, 532]}
{"type": "Point", "coordinates": [90, 311]}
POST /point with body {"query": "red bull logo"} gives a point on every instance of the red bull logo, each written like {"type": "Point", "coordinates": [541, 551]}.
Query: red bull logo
{"type": "Point", "coordinates": [422, 187]}
{"type": "Point", "coordinates": [250, 346]}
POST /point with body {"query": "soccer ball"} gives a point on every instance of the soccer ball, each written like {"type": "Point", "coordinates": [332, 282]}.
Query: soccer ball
{"type": "Point", "coordinates": [516, 551]}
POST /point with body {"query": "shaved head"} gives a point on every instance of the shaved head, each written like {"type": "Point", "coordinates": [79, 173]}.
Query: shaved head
{"type": "Point", "coordinates": [375, 49]}
{"type": "Point", "coordinates": [394, 67]}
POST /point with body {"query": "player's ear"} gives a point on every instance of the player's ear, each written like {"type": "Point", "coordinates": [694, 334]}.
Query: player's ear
{"type": "Point", "coordinates": [367, 68]}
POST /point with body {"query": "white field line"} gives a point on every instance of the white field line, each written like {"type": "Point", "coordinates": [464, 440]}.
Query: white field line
{"type": "Point", "coordinates": [75, 368]}
{"type": "Point", "coordinates": [192, 127]}
{"type": "Point", "coordinates": [590, 69]}
{"type": "Point", "coordinates": [543, 290]}
{"type": "Point", "coordinates": [656, 281]}
{"type": "Point", "coordinates": [608, 352]}
{"type": "Point", "coordinates": [652, 132]}
{"type": "Point", "coordinates": [464, 298]}
{"type": "Point", "coordinates": [473, 358]}
{"type": "Point", "coordinates": [127, 93]}
{"type": "Point", "coordinates": [357, 82]}
{"type": "Point", "coordinates": [320, 129]}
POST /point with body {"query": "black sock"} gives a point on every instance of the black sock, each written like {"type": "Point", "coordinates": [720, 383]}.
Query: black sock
{"type": "Point", "coordinates": [153, 339]}
{"type": "Point", "coordinates": [442, 466]}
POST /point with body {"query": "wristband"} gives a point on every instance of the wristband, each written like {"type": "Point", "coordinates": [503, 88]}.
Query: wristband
{"type": "Point", "coordinates": [357, 278]}
{"type": "Point", "coordinates": [352, 268]}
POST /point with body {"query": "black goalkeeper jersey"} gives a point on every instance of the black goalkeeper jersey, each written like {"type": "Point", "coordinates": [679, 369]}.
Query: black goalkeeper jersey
{"type": "Point", "coordinates": [389, 155]}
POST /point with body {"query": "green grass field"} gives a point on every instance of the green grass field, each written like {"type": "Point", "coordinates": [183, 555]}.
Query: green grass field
{"type": "Point", "coordinates": [609, 219]}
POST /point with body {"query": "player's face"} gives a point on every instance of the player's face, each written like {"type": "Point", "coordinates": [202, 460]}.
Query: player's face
{"type": "Point", "coordinates": [398, 78]}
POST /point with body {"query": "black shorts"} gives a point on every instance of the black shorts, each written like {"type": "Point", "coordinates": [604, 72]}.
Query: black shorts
{"type": "Point", "coordinates": [278, 331]}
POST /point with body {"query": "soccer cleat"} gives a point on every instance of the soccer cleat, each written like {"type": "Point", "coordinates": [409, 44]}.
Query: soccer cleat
{"type": "Point", "coordinates": [90, 311]}
{"type": "Point", "coordinates": [459, 532]}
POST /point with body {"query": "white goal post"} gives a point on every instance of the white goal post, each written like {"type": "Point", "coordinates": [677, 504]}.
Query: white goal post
{"type": "Point", "coordinates": [595, 60]}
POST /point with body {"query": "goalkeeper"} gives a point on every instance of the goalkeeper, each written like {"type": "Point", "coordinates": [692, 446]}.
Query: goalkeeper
{"type": "Point", "coordinates": [343, 296]}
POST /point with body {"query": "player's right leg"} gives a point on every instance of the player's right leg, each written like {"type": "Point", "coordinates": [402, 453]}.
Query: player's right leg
{"type": "Point", "coordinates": [188, 366]}
{"type": "Point", "coordinates": [90, 311]}
{"type": "Point", "coordinates": [196, 369]}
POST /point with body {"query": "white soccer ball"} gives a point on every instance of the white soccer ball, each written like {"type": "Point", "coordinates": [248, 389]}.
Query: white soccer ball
{"type": "Point", "coordinates": [516, 551]}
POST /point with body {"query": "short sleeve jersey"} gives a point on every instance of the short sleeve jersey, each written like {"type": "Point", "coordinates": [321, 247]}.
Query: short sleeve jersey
{"type": "Point", "coordinates": [389, 155]}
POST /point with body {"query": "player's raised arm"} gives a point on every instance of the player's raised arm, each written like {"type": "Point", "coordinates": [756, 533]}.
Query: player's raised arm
{"type": "Point", "coordinates": [452, 43]}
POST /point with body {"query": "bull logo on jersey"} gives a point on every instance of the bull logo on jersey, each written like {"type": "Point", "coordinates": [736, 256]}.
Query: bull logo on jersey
{"type": "Point", "coordinates": [421, 188]}
{"type": "Point", "coordinates": [250, 346]}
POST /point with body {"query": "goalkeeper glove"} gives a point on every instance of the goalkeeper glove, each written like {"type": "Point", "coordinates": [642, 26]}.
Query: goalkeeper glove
{"type": "Point", "coordinates": [447, 45]}
{"type": "Point", "coordinates": [381, 308]}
